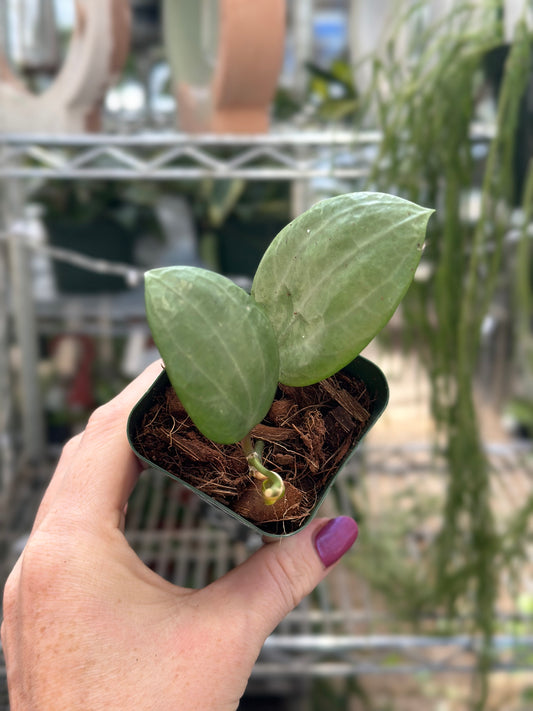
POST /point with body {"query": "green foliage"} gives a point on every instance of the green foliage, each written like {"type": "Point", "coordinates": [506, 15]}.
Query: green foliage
{"type": "Point", "coordinates": [405, 581]}
{"type": "Point", "coordinates": [327, 285]}
{"type": "Point", "coordinates": [521, 407]}
{"type": "Point", "coordinates": [221, 197]}
{"type": "Point", "coordinates": [84, 201]}
{"type": "Point", "coordinates": [219, 349]}
{"type": "Point", "coordinates": [228, 212]}
{"type": "Point", "coordinates": [426, 113]}
{"type": "Point", "coordinates": [333, 278]}
{"type": "Point", "coordinates": [339, 695]}
{"type": "Point", "coordinates": [333, 92]}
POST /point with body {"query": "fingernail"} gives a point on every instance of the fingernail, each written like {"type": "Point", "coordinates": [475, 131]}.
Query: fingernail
{"type": "Point", "coordinates": [335, 538]}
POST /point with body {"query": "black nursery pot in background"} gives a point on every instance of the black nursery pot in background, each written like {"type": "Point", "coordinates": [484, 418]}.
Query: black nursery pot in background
{"type": "Point", "coordinates": [361, 369]}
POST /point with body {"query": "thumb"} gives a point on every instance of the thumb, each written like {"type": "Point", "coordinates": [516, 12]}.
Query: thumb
{"type": "Point", "coordinates": [280, 574]}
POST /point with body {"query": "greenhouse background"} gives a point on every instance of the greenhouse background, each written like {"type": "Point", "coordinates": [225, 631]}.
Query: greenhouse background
{"type": "Point", "coordinates": [113, 169]}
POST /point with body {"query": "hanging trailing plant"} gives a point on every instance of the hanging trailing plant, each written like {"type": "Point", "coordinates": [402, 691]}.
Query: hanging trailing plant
{"type": "Point", "coordinates": [425, 114]}
{"type": "Point", "coordinates": [521, 405]}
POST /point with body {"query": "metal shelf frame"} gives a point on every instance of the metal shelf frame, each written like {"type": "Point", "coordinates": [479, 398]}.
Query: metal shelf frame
{"type": "Point", "coordinates": [332, 160]}
{"type": "Point", "coordinates": [295, 156]}
{"type": "Point", "coordinates": [281, 155]}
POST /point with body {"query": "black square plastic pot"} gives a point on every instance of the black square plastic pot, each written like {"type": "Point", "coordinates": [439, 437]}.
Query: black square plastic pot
{"type": "Point", "coordinates": [360, 368]}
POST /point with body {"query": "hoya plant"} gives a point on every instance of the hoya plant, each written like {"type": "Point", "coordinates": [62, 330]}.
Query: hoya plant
{"type": "Point", "coordinates": [327, 284]}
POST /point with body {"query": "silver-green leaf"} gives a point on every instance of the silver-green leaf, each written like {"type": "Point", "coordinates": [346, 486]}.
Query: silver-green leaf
{"type": "Point", "coordinates": [334, 276]}
{"type": "Point", "coordinates": [218, 347]}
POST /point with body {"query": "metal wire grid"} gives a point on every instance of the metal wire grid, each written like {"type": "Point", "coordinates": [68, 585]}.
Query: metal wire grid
{"type": "Point", "coordinates": [338, 630]}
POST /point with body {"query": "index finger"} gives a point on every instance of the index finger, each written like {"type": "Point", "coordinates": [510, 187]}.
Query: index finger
{"type": "Point", "coordinates": [99, 474]}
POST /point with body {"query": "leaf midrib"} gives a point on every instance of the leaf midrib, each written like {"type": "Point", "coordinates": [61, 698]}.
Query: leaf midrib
{"type": "Point", "coordinates": [328, 272]}
{"type": "Point", "coordinates": [204, 316]}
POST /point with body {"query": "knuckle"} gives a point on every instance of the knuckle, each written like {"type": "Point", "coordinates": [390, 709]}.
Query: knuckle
{"type": "Point", "coordinates": [34, 582]}
{"type": "Point", "coordinates": [71, 445]}
{"type": "Point", "coordinates": [39, 569]}
{"type": "Point", "coordinates": [104, 417]}
{"type": "Point", "coordinates": [4, 634]}
{"type": "Point", "coordinates": [292, 579]}
{"type": "Point", "coordinates": [10, 597]}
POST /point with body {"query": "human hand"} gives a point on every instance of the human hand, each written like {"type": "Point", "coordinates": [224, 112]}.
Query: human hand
{"type": "Point", "coordinates": [88, 626]}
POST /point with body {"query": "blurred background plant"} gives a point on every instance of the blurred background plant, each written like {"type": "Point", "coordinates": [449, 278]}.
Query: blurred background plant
{"type": "Point", "coordinates": [427, 108]}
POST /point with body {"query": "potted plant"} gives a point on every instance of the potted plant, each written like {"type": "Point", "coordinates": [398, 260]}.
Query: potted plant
{"type": "Point", "coordinates": [264, 395]}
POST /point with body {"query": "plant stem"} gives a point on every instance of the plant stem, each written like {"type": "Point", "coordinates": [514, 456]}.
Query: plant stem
{"type": "Point", "coordinates": [272, 487]}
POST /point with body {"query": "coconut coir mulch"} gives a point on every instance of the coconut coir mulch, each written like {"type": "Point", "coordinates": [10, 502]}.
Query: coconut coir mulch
{"type": "Point", "coordinates": [308, 432]}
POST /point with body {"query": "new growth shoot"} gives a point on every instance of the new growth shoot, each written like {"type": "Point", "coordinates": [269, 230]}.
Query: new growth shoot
{"type": "Point", "coordinates": [272, 486]}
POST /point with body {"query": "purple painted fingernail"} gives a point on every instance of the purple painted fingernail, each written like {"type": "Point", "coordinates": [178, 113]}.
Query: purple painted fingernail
{"type": "Point", "coordinates": [335, 538]}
